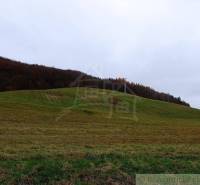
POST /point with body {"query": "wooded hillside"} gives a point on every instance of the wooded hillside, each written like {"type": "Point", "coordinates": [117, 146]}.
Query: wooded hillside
{"type": "Point", "coordinates": [20, 76]}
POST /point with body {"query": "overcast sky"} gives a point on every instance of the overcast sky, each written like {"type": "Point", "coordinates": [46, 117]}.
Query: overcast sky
{"type": "Point", "coordinates": [153, 42]}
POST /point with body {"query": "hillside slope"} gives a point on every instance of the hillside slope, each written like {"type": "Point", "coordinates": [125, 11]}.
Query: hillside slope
{"type": "Point", "coordinates": [95, 116]}
{"type": "Point", "coordinates": [91, 136]}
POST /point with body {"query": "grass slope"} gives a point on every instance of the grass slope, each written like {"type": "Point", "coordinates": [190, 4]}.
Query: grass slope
{"type": "Point", "coordinates": [91, 136]}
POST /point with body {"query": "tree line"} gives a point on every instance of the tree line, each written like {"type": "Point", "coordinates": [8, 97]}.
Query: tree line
{"type": "Point", "coordinates": [20, 76]}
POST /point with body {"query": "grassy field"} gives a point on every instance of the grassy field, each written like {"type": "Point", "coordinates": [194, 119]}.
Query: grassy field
{"type": "Point", "coordinates": [90, 136]}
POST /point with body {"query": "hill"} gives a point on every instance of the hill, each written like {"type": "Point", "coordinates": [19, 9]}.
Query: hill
{"type": "Point", "coordinates": [93, 136]}
{"type": "Point", "coordinates": [20, 76]}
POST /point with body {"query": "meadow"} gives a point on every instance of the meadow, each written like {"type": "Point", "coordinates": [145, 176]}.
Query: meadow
{"type": "Point", "coordinates": [89, 136]}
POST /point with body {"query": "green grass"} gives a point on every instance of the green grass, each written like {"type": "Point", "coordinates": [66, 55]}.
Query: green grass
{"type": "Point", "coordinates": [78, 136]}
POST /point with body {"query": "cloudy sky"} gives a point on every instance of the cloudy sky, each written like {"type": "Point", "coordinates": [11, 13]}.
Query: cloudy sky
{"type": "Point", "coordinates": [153, 42]}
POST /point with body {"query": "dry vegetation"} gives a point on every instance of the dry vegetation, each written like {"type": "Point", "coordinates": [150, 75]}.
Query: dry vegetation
{"type": "Point", "coordinates": [76, 136]}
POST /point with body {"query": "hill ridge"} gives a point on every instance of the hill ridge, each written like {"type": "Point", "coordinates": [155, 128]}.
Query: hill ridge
{"type": "Point", "coordinates": [15, 75]}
